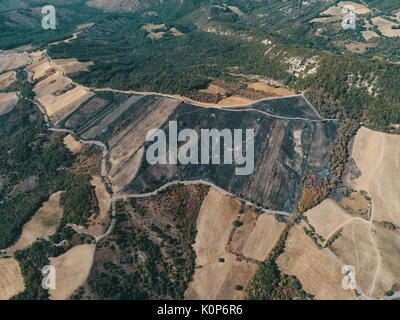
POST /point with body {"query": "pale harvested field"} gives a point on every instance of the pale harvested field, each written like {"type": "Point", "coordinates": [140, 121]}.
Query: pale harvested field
{"type": "Point", "coordinates": [72, 270]}
{"type": "Point", "coordinates": [43, 224]}
{"type": "Point", "coordinates": [98, 224]}
{"type": "Point", "coordinates": [356, 247]}
{"type": "Point", "coordinates": [7, 102]}
{"type": "Point", "coordinates": [156, 35]}
{"type": "Point", "coordinates": [356, 203]}
{"type": "Point", "coordinates": [281, 92]}
{"type": "Point", "coordinates": [234, 101]}
{"type": "Point", "coordinates": [214, 89]}
{"type": "Point", "coordinates": [319, 274]}
{"type": "Point", "coordinates": [11, 62]}
{"type": "Point", "coordinates": [150, 27]}
{"type": "Point", "coordinates": [325, 19]}
{"type": "Point", "coordinates": [72, 144]}
{"type": "Point", "coordinates": [72, 65]}
{"type": "Point", "coordinates": [7, 79]}
{"type": "Point", "coordinates": [377, 155]}
{"type": "Point", "coordinates": [57, 107]}
{"type": "Point", "coordinates": [258, 235]}
{"type": "Point", "coordinates": [214, 279]}
{"type": "Point", "coordinates": [368, 35]}
{"type": "Point", "coordinates": [40, 68]}
{"type": "Point", "coordinates": [385, 26]}
{"type": "Point", "coordinates": [236, 10]}
{"type": "Point", "coordinates": [176, 32]}
{"type": "Point", "coordinates": [49, 86]}
{"type": "Point", "coordinates": [327, 218]}
{"type": "Point", "coordinates": [388, 244]}
{"type": "Point", "coordinates": [11, 281]}
{"type": "Point", "coordinates": [374, 253]}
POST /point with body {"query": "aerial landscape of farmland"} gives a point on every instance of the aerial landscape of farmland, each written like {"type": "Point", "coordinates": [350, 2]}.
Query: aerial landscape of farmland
{"type": "Point", "coordinates": [199, 150]}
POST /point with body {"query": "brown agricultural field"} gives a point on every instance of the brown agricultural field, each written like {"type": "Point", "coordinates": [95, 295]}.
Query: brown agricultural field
{"type": "Point", "coordinates": [280, 92]}
{"type": "Point", "coordinates": [7, 79]}
{"type": "Point", "coordinates": [377, 156]}
{"type": "Point", "coordinates": [72, 65]}
{"type": "Point", "coordinates": [385, 26]}
{"type": "Point", "coordinates": [7, 102]}
{"type": "Point", "coordinates": [72, 270]}
{"type": "Point", "coordinates": [319, 274]}
{"type": "Point", "coordinates": [257, 237]}
{"type": "Point", "coordinates": [11, 281]}
{"type": "Point", "coordinates": [327, 218]}
{"type": "Point", "coordinates": [43, 224]}
{"type": "Point", "coordinates": [12, 61]}
{"type": "Point", "coordinates": [214, 279]}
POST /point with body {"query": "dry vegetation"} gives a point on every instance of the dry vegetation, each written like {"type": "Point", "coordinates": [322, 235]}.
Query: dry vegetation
{"type": "Point", "coordinates": [99, 222]}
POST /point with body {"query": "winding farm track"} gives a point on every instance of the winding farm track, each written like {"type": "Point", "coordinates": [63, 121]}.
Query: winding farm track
{"type": "Point", "coordinates": [117, 196]}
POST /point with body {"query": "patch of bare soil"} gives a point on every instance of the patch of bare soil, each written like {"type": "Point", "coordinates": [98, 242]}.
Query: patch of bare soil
{"type": "Point", "coordinates": [72, 144]}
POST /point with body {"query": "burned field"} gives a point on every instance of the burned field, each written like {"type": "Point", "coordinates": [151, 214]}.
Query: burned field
{"type": "Point", "coordinates": [285, 149]}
